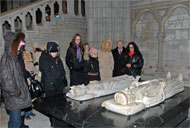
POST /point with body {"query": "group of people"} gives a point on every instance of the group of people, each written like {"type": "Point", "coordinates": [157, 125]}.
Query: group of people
{"type": "Point", "coordinates": [85, 64]}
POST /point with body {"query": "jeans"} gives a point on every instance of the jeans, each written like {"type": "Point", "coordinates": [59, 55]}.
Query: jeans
{"type": "Point", "coordinates": [27, 113]}
{"type": "Point", "coordinates": [14, 119]}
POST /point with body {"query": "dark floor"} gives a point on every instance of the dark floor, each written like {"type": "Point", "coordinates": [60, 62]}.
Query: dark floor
{"type": "Point", "coordinates": [185, 124]}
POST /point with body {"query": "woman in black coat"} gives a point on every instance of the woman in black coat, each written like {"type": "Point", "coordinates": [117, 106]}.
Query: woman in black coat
{"type": "Point", "coordinates": [74, 60]}
{"type": "Point", "coordinates": [134, 60]}
{"type": "Point", "coordinates": [92, 66]}
{"type": "Point", "coordinates": [53, 72]}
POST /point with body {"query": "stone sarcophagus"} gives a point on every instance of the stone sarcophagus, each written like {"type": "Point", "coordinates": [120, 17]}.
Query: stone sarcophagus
{"type": "Point", "coordinates": [139, 96]}
{"type": "Point", "coordinates": [100, 88]}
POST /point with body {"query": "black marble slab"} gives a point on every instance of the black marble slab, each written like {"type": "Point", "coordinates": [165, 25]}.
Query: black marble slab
{"type": "Point", "coordinates": [90, 114]}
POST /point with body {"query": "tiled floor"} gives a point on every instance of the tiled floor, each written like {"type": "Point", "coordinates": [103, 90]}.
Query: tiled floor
{"type": "Point", "coordinates": [39, 121]}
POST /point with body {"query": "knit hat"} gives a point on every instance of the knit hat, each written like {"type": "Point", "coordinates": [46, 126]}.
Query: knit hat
{"type": "Point", "coordinates": [52, 47]}
{"type": "Point", "coordinates": [93, 50]}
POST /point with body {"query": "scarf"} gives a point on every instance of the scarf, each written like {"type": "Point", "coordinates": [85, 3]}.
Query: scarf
{"type": "Point", "coordinates": [79, 57]}
{"type": "Point", "coordinates": [131, 54]}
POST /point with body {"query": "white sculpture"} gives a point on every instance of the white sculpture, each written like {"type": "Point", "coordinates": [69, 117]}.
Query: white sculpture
{"type": "Point", "coordinates": [100, 88]}
{"type": "Point", "coordinates": [143, 95]}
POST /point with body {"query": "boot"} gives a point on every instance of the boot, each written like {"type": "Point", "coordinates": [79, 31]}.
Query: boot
{"type": "Point", "coordinates": [22, 123]}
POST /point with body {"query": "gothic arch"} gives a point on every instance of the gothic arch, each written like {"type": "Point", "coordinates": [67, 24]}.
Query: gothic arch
{"type": "Point", "coordinates": [169, 13]}
{"type": "Point", "coordinates": [139, 16]}
{"type": "Point", "coordinates": [18, 24]}
{"type": "Point", "coordinates": [28, 21]}
{"type": "Point", "coordinates": [6, 26]}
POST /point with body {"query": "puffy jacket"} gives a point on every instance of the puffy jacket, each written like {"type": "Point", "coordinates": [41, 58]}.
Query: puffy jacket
{"type": "Point", "coordinates": [14, 87]}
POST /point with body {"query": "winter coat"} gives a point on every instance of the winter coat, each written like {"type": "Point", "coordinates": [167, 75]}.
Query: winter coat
{"type": "Point", "coordinates": [92, 69]}
{"type": "Point", "coordinates": [53, 74]}
{"type": "Point", "coordinates": [119, 62]}
{"type": "Point", "coordinates": [28, 61]}
{"type": "Point", "coordinates": [136, 62]}
{"type": "Point", "coordinates": [14, 87]}
{"type": "Point", "coordinates": [106, 62]}
{"type": "Point", "coordinates": [75, 67]}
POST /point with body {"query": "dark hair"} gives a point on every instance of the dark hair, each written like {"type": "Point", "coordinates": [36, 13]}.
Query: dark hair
{"type": "Point", "coordinates": [86, 44]}
{"type": "Point", "coordinates": [14, 46]}
{"type": "Point", "coordinates": [136, 49]}
{"type": "Point", "coordinates": [73, 42]}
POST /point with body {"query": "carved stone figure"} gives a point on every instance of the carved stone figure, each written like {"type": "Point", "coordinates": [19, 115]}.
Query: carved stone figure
{"type": "Point", "coordinates": [100, 88]}
{"type": "Point", "coordinates": [144, 95]}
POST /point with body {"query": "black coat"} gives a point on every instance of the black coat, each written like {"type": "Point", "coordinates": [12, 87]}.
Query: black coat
{"type": "Point", "coordinates": [14, 87]}
{"type": "Point", "coordinates": [119, 62]}
{"type": "Point", "coordinates": [136, 62]}
{"type": "Point", "coordinates": [22, 65]}
{"type": "Point", "coordinates": [75, 67]}
{"type": "Point", "coordinates": [92, 70]}
{"type": "Point", "coordinates": [53, 75]}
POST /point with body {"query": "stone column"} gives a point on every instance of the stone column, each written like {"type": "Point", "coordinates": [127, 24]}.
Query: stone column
{"type": "Point", "coordinates": [43, 14]}
{"type": "Point", "coordinates": [70, 7]}
{"type": "Point", "coordinates": [160, 37]}
{"type": "Point", "coordinates": [52, 12]}
{"type": "Point", "coordinates": [34, 25]}
{"type": "Point", "coordinates": [60, 8]}
{"type": "Point", "coordinates": [12, 23]}
{"type": "Point", "coordinates": [10, 4]}
{"type": "Point", "coordinates": [1, 36]}
{"type": "Point", "coordinates": [23, 22]}
{"type": "Point", "coordinates": [79, 8]}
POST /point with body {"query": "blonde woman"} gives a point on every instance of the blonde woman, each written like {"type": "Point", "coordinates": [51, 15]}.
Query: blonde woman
{"type": "Point", "coordinates": [105, 58]}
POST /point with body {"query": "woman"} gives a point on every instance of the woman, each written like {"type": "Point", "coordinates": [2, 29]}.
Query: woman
{"type": "Point", "coordinates": [74, 60]}
{"type": "Point", "coordinates": [134, 60]}
{"type": "Point", "coordinates": [93, 66]}
{"type": "Point", "coordinates": [29, 66]}
{"type": "Point", "coordinates": [105, 59]}
{"type": "Point", "coordinates": [53, 72]}
{"type": "Point", "coordinates": [86, 51]}
{"type": "Point", "coordinates": [15, 91]}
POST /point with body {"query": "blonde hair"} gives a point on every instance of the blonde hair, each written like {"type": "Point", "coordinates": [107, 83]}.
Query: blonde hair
{"type": "Point", "coordinates": [104, 43]}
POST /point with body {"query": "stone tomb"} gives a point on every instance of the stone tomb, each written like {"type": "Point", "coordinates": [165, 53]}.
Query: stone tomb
{"type": "Point", "coordinates": [89, 113]}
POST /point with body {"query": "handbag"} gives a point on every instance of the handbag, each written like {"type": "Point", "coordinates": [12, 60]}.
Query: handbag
{"type": "Point", "coordinates": [35, 88]}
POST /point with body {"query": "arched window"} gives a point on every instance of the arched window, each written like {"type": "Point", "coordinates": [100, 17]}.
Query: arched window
{"type": "Point", "coordinates": [76, 7]}
{"type": "Point", "coordinates": [38, 16]}
{"type": "Point", "coordinates": [64, 6]}
{"type": "Point", "coordinates": [28, 20]}
{"type": "Point", "coordinates": [83, 7]}
{"type": "Point", "coordinates": [48, 13]}
{"type": "Point", "coordinates": [6, 27]}
{"type": "Point", "coordinates": [18, 24]}
{"type": "Point", "coordinates": [56, 9]}
{"type": "Point", "coordinates": [3, 5]}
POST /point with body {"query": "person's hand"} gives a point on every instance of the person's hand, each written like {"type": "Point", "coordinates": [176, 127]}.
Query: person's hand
{"type": "Point", "coordinates": [128, 65]}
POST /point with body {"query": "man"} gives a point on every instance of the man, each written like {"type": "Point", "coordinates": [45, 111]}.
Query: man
{"type": "Point", "coordinates": [119, 62]}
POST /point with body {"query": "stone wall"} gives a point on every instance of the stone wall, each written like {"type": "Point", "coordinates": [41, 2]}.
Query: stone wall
{"type": "Point", "coordinates": [108, 19]}
{"type": "Point", "coordinates": [162, 31]}
{"type": "Point", "coordinates": [176, 47]}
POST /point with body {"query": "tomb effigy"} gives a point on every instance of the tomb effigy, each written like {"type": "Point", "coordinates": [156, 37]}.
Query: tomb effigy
{"type": "Point", "coordinates": [139, 96]}
{"type": "Point", "coordinates": [100, 88]}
